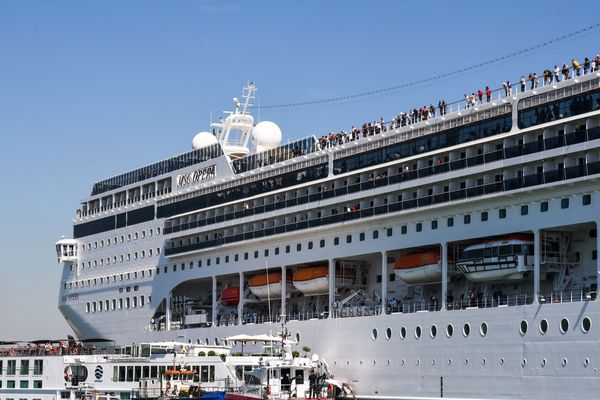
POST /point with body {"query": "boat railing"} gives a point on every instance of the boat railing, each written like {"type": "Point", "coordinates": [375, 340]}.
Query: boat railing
{"type": "Point", "coordinates": [16, 350]}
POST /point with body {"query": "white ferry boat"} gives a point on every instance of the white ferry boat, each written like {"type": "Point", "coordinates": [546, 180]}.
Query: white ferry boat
{"type": "Point", "coordinates": [98, 370]}
{"type": "Point", "coordinates": [168, 251]}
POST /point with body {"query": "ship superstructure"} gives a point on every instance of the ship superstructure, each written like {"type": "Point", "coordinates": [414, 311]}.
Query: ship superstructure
{"type": "Point", "coordinates": [454, 256]}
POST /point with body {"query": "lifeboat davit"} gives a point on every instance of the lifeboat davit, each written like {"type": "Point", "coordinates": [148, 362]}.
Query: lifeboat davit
{"type": "Point", "coordinates": [424, 267]}
{"type": "Point", "coordinates": [266, 285]}
{"type": "Point", "coordinates": [231, 296]}
{"type": "Point", "coordinates": [312, 280]}
{"type": "Point", "coordinates": [505, 258]}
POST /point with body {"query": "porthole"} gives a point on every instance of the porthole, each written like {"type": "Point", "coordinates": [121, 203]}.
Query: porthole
{"type": "Point", "coordinates": [418, 332]}
{"type": "Point", "coordinates": [543, 362]}
{"type": "Point", "coordinates": [586, 325]}
{"type": "Point", "coordinates": [502, 361]}
{"type": "Point", "coordinates": [466, 330]}
{"type": "Point", "coordinates": [388, 333]}
{"type": "Point", "coordinates": [586, 362]}
{"type": "Point", "coordinates": [402, 332]}
{"type": "Point", "coordinates": [347, 362]}
{"type": "Point", "coordinates": [402, 362]}
{"type": "Point", "coordinates": [564, 325]}
{"type": "Point", "coordinates": [433, 362]}
{"type": "Point", "coordinates": [360, 362]}
{"type": "Point", "coordinates": [297, 338]}
{"type": "Point", "coordinates": [523, 362]}
{"type": "Point", "coordinates": [523, 327]}
{"type": "Point", "coordinates": [543, 326]}
{"type": "Point", "coordinates": [449, 361]}
{"type": "Point", "coordinates": [374, 362]}
{"type": "Point", "coordinates": [433, 331]}
{"type": "Point", "coordinates": [564, 362]}
{"type": "Point", "coordinates": [483, 361]}
{"type": "Point", "coordinates": [449, 330]}
{"type": "Point", "coordinates": [483, 329]}
{"type": "Point", "coordinates": [418, 362]}
{"type": "Point", "coordinates": [374, 334]}
{"type": "Point", "coordinates": [388, 362]}
{"type": "Point", "coordinates": [466, 361]}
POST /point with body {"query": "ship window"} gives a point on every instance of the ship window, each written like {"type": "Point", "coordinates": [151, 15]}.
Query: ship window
{"type": "Point", "coordinates": [236, 258]}
{"type": "Point", "coordinates": [543, 326]}
{"type": "Point", "coordinates": [594, 254]}
{"type": "Point", "coordinates": [502, 213]}
{"type": "Point", "coordinates": [361, 236]}
{"type": "Point", "coordinates": [374, 334]}
{"type": "Point", "coordinates": [388, 333]}
{"type": "Point", "coordinates": [255, 253]}
{"type": "Point", "coordinates": [586, 199]}
{"type": "Point", "coordinates": [336, 241]}
{"type": "Point", "coordinates": [226, 259]}
{"type": "Point", "coordinates": [449, 330]}
{"type": "Point", "coordinates": [434, 224]}
{"type": "Point", "coordinates": [419, 227]}
{"type": "Point", "coordinates": [276, 250]}
{"type": "Point", "coordinates": [266, 252]}
{"type": "Point", "coordinates": [402, 332]}
{"type": "Point", "coordinates": [467, 219]}
{"type": "Point", "coordinates": [23, 384]}
{"type": "Point", "coordinates": [466, 330]}
{"type": "Point", "coordinates": [564, 325]}
{"type": "Point", "coordinates": [484, 216]}
{"type": "Point", "coordinates": [433, 331]}
{"type": "Point", "coordinates": [375, 234]}
{"type": "Point", "coordinates": [199, 263]}
{"type": "Point", "coordinates": [298, 246]}
{"type": "Point", "coordinates": [483, 329]}
{"type": "Point", "coordinates": [287, 248]}
{"type": "Point", "coordinates": [586, 325]}
{"type": "Point", "coordinates": [524, 210]}
{"type": "Point", "coordinates": [523, 327]}
{"type": "Point", "coordinates": [418, 332]}
{"type": "Point", "coordinates": [208, 262]}
{"type": "Point", "coordinates": [389, 232]}
{"type": "Point", "coordinates": [246, 255]}
{"type": "Point", "coordinates": [322, 243]}
{"type": "Point", "coordinates": [544, 206]}
{"type": "Point", "coordinates": [564, 203]}
{"type": "Point", "coordinates": [403, 230]}
{"type": "Point", "coordinates": [348, 238]}
{"type": "Point", "coordinates": [450, 222]}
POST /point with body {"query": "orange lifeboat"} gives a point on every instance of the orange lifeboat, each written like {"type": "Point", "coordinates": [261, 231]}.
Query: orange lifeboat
{"type": "Point", "coordinates": [266, 285]}
{"type": "Point", "coordinates": [419, 268]}
{"type": "Point", "coordinates": [312, 280]}
{"type": "Point", "coordinates": [231, 296]}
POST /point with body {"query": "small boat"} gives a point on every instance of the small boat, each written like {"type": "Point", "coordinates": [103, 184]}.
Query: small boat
{"type": "Point", "coordinates": [315, 280]}
{"type": "Point", "coordinates": [312, 280]}
{"type": "Point", "coordinates": [289, 377]}
{"type": "Point", "coordinates": [505, 258]}
{"type": "Point", "coordinates": [267, 285]}
{"type": "Point", "coordinates": [230, 296]}
{"type": "Point", "coordinates": [419, 268]}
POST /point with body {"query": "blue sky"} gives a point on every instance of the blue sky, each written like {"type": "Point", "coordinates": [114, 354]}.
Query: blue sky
{"type": "Point", "coordinates": [89, 89]}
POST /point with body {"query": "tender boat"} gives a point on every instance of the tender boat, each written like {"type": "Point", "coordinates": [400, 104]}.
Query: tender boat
{"type": "Point", "coordinates": [231, 296]}
{"type": "Point", "coordinates": [504, 258]}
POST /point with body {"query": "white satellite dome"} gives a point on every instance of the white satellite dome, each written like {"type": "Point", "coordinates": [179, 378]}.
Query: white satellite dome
{"type": "Point", "coordinates": [203, 139]}
{"type": "Point", "coordinates": [266, 135]}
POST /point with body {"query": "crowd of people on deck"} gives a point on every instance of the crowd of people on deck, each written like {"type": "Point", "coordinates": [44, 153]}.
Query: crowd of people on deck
{"type": "Point", "coordinates": [556, 74]}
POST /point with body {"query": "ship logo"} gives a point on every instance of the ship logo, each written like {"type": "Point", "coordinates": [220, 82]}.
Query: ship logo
{"type": "Point", "coordinates": [99, 372]}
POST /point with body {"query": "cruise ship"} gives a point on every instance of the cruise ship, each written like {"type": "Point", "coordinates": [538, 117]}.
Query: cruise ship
{"type": "Point", "coordinates": [449, 254]}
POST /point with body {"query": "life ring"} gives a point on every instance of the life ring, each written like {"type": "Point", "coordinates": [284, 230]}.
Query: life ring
{"type": "Point", "coordinates": [74, 351]}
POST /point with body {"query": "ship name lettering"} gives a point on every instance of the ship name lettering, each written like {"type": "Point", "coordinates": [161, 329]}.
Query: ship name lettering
{"type": "Point", "coordinates": [197, 176]}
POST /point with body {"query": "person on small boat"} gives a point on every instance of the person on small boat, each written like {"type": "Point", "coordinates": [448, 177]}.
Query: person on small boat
{"type": "Point", "coordinates": [312, 381]}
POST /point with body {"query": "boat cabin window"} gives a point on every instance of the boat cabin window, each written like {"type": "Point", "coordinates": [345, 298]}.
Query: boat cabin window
{"type": "Point", "coordinates": [299, 377]}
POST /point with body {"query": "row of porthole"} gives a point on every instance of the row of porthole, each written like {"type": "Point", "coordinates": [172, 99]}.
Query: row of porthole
{"type": "Point", "coordinates": [586, 325]}
{"type": "Point", "coordinates": [433, 331]}
{"type": "Point", "coordinates": [543, 362]}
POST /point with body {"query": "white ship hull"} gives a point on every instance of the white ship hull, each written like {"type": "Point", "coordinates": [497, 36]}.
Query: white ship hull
{"type": "Point", "coordinates": [505, 170]}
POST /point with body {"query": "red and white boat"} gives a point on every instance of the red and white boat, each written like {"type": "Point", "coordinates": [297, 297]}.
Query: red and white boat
{"type": "Point", "coordinates": [419, 268]}
{"type": "Point", "coordinates": [315, 280]}
{"type": "Point", "coordinates": [230, 296]}
{"type": "Point", "coordinates": [266, 286]}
